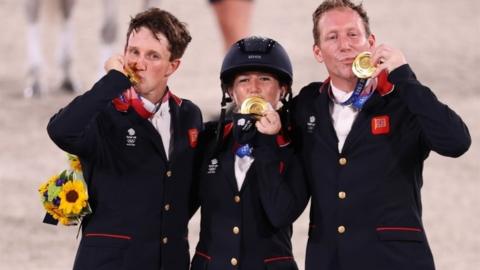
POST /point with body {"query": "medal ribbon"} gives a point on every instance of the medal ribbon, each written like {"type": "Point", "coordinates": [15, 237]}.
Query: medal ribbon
{"type": "Point", "coordinates": [360, 95]}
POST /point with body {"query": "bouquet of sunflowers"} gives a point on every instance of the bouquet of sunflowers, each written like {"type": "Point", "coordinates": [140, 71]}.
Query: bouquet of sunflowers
{"type": "Point", "coordinates": [64, 196]}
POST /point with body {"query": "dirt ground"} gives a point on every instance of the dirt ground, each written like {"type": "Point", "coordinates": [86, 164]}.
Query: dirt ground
{"type": "Point", "coordinates": [439, 38]}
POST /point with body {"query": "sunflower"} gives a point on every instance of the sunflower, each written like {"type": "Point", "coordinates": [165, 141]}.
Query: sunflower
{"type": "Point", "coordinates": [74, 163]}
{"type": "Point", "coordinates": [73, 197]}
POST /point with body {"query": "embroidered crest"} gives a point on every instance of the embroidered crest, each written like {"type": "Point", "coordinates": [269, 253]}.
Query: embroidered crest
{"type": "Point", "coordinates": [241, 122]}
{"type": "Point", "coordinates": [311, 124]}
{"type": "Point", "coordinates": [380, 125]}
{"type": "Point", "coordinates": [212, 167]}
{"type": "Point", "coordinates": [193, 137]}
{"type": "Point", "coordinates": [131, 138]}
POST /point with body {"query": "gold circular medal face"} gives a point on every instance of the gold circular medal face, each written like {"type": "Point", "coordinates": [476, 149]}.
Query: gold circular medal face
{"type": "Point", "coordinates": [132, 76]}
{"type": "Point", "coordinates": [254, 105]}
{"type": "Point", "coordinates": [362, 66]}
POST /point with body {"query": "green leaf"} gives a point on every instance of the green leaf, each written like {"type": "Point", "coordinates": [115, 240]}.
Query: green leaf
{"type": "Point", "coordinates": [53, 191]}
{"type": "Point", "coordinates": [63, 174]}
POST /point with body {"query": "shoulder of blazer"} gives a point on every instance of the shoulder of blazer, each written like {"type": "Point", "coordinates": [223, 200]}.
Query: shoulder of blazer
{"type": "Point", "coordinates": [306, 95]}
{"type": "Point", "coordinates": [309, 91]}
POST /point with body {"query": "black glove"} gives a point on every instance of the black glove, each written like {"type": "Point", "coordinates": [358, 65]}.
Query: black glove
{"type": "Point", "coordinates": [244, 129]}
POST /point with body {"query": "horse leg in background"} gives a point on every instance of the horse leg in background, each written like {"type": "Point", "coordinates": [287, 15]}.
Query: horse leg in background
{"type": "Point", "coordinates": [233, 17]}
{"type": "Point", "coordinates": [34, 54]}
{"type": "Point", "coordinates": [108, 33]}
{"type": "Point", "coordinates": [64, 50]}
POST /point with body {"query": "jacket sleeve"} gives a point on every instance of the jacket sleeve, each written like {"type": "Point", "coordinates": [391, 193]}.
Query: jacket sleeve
{"type": "Point", "coordinates": [283, 188]}
{"type": "Point", "coordinates": [72, 128]}
{"type": "Point", "coordinates": [443, 130]}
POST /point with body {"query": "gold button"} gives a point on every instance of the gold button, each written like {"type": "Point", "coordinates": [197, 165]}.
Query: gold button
{"type": "Point", "coordinates": [341, 229]}
{"type": "Point", "coordinates": [342, 195]}
{"type": "Point", "coordinates": [236, 199]}
{"type": "Point", "coordinates": [165, 240]}
{"type": "Point", "coordinates": [234, 261]}
{"type": "Point", "coordinates": [169, 173]}
{"type": "Point", "coordinates": [167, 207]}
{"type": "Point", "coordinates": [236, 230]}
{"type": "Point", "coordinates": [342, 161]}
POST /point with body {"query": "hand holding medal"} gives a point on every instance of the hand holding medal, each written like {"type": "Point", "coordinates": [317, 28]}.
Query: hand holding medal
{"type": "Point", "coordinates": [268, 120]}
{"type": "Point", "coordinates": [132, 76]}
{"type": "Point", "coordinates": [257, 106]}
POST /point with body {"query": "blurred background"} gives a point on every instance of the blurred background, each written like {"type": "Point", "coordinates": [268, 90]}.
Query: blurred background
{"type": "Point", "coordinates": [439, 38]}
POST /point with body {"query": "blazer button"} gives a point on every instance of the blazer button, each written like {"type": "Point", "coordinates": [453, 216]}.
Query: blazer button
{"type": "Point", "coordinates": [342, 161]}
{"type": "Point", "coordinates": [167, 207]}
{"type": "Point", "coordinates": [234, 261]}
{"type": "Point", "coordinates": [342, 195]}
{"type": "Point", "coordinates": [341, 229]}
{"type": "Point", "coordinates": [236, 230]}
{"type": "Point", "coordinates": [165, 240]}
{"type": "Point", "coordinates": [236, 199]}
{"type": "Point", "coordinates": [169, 173]}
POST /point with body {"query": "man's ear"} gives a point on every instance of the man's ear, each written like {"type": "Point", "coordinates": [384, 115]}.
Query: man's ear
{"type": "Point", "coordinates": [172, 67]}
{"type": "Point", "coordinates": [371, 40]}
{"type": "Point", "coordinates": [317, 52]}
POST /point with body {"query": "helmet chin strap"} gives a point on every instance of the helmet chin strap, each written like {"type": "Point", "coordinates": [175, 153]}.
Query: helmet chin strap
{"type": "Point", "coordinates": [225, 99]}
{"type": "Point", "coordinates": [285, 112]}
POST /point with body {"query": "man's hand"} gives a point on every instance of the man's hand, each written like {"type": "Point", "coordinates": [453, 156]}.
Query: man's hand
{"type": "Point", "coordinates": [115, 62]}
{"type": "Point", "coordinates": [269, 123]}
{"type": "Point", "coordinates": [387, 58]}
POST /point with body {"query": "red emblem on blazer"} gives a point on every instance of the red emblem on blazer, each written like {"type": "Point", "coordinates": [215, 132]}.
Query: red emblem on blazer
{"type": "Point", "coordinates": [281, 167]}
{"type": "Point", "coordinates": [380, 125]}
{"type": "Point", "coordinates": [193, 137]}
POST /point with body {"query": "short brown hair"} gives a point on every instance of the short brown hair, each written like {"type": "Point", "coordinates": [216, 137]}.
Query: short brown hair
{"type": "Point", "coordinates": [328, 5]}
{"type": "Point", "coordinates": [161, 21]}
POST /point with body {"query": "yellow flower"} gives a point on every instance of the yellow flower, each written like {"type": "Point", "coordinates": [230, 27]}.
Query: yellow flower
{"type": "Point", "coordinates": [43, 187]}
{"type": "Point", "coordinates": [73, 197]}
{"type": "Point", "coordinates": [53, 210]}
{"type": "Point", "coordinates": [65, 221]}
{"type": "Point", "coordinates": [74, 163]}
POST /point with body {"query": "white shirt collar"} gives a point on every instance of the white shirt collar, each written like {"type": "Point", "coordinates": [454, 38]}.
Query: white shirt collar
{"type": "Point", "coordinates": [148, 105]}
{"type": "Point", "coordinates": [339, 95]}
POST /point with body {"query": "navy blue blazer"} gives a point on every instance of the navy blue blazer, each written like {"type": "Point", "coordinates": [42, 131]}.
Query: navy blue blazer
{"type": "Point", "coordinates": [141, 201]}
{"type": "Point", "coordinates": [366, 209]}
{"type": "Point", "coordinates": [236, 231]}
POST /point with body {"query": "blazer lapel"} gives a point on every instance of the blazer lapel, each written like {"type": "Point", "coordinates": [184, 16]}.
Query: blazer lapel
{"type": "Point", "coordinates": [227, 163]}
{"type": "Point", "coordinates": [363, 119]}
{"type": "Point", "coordinates": [325, 131]}
{"type": "Point", "coordinates": [176, 140]}
{"type": "Point", "coordinates": [151, 133]}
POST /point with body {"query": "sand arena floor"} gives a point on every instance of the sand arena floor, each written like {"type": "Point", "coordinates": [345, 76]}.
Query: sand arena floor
{"type": "Point", "coordinates": [439, 38]}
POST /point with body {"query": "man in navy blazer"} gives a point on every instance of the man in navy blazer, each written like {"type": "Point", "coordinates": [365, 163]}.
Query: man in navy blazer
{"type": "Point", "coordinates": [136, 141]}
{"type": "Point", "coordinates": [363, 143]}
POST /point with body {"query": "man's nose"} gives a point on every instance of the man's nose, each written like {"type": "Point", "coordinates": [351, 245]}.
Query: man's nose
{"type": "Point", "coordinates": [343, 42]}
{"type": "Point", "coordinates": [138, 62]}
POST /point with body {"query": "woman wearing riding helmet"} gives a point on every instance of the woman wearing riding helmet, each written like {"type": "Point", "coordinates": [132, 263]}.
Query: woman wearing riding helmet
{"type": "Point", "coordinates": [240, 157]}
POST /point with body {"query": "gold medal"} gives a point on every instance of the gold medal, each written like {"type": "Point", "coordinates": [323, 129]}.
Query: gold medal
{"type": "Point", "coordinates": [362, 66]}
{"type": "Point", "coordinates": [254, 105]}
{"type": "Point", "coordinates": [132, 76]}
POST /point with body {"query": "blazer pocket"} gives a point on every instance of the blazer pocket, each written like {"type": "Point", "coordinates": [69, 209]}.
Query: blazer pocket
{"type": "Point", "coordinates": [280, 263]}
{"type": "Point", "coordinates": [200, 261]}
{"type": "Point", "coordinates": [106, 240]}
{"type": "Point", "coordinates": [105, 251]}
{"type": "Point", "coordinates": [412, 234]}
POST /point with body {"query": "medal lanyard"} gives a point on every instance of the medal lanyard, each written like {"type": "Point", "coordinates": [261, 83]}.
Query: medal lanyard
{"type": "Point", "coordinates": [357, 100]}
